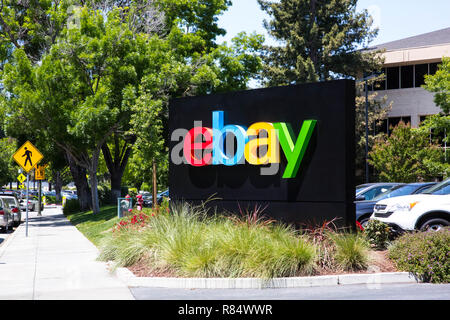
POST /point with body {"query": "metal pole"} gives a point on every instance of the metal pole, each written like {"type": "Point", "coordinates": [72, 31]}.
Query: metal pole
{"type": "Point", "coordinates": [26, 203]}
{"type": "Point", "coordinates": [39, 198]}
{"type": "Point", "coordinates": [367, 131]}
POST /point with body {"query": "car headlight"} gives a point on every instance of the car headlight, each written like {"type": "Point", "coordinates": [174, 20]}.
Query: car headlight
{"type": "Point", "coordinates": [403, 206]}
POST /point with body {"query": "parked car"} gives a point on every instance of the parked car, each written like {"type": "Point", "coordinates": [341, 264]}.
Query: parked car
{"type": "Point", "coordinates": [69, 194]}
{"type": "Point", "coordinates": [14, 205]}
{"type": "Point", "coordinates": [371, 190]}
{"type": "Point", "coordinates": [364, 209]}
{"type": "Point", "coordinates": [429, 210]}
{"type": "Point", "coordinates": [148, 200]}
{"type": "Point", "coordinates": [6, 218]}
{"type": "Point", "coordinates": [32, 204]}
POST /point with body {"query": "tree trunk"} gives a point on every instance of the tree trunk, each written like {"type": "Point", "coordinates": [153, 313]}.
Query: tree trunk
{"type": "Point", "coordinates": [116, 182]}
{"type": "Point", "coordinates": [116, 165]}
{"type": "Point", "coordinates": [94, 181]}
{"type": "Point", "coordinates": [94, 191]}
{"type": "Point", "coordinates": [79, 178]}
{"type": "Point", "coordinates": [58, 185]}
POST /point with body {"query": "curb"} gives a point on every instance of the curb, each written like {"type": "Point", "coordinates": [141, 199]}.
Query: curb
{"type": "Point", "coordinates": [372, 279]}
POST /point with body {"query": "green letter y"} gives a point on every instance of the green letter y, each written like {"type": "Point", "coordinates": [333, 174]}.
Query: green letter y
{"type": "Point", "coordinates": [294, 153]}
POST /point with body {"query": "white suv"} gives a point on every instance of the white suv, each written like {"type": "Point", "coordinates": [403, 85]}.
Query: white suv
{"type": "Point", "coordinates": [429, 210]}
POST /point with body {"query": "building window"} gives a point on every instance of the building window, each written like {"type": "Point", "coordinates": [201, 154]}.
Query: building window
{"type": "Point", "coordinates": [433, 68]}
{"type": "Point", "coordinates": [393, 78]}
{"type": "Point", "coordinates": [420, 72]}
{"type": "Point", "coordinates": [407, 76]}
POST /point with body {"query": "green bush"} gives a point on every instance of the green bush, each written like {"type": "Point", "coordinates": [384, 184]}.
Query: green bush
{"type": "Point", "coordinates": [104, 195]}
{"type": "Point", "coordinates": [425, 254]}
{"type": "Point", "coordinates": [133, 193]}
{"type": "Point", "coordinates": [377, 233]}
{"type": "Point", "coordinates": [352, 250]}
{"type": "Point", "coordinates": [72, 206]}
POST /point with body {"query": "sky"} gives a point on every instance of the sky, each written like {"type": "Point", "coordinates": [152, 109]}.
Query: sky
{"type": "Point", "coordinates": [396, 19]}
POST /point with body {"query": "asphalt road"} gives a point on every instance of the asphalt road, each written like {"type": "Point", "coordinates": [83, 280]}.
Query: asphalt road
{"type": "Point", "coordinates": [411, 291]}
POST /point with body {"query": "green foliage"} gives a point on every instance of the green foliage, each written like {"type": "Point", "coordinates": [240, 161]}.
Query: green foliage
{"type": "Point", "coordinates": [72, 206]}
{"type": "Point", "coordinates": [377, 233]}
{"type": "Point", "coordinates": [351, 250]}
{"type": "Point", "coordinates": [425, 254]}
{"type": "Point", "coordinates": [320, 41]}
{"type": "Point", "coordinates": [198, 17]}
{"type": "Point", "coordinates": [439, 83]}
{"type": "Point", "coordinates": [8, 168]}
{"type": "Point", "coordinates": [52, 199]}
{"type": "Point", "coordinates": [104, 194]}
{"type": "Point", "coordinates": [407, 156]}
{"type": "Point", "coordinates": [132, 192]}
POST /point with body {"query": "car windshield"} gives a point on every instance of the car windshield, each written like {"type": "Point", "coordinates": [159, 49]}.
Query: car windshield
{"type": "Point", "coordinates": [440, 188]}
{"type": "Point", "coordinates": [396, 192]}
{"type": "Point", "coordinates": [359, 189]}
{"type": "Point", "coordinates": [10, 201]}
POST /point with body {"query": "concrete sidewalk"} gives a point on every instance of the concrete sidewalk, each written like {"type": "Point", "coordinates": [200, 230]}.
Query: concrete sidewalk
{"type": "Point", "coordinates": [55, 262]}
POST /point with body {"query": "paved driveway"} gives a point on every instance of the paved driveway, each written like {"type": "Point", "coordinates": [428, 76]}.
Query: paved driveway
{"type": "Point", "coordinates": [343, 292]}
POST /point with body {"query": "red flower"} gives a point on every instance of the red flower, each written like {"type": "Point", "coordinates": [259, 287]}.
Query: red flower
{"type": "Point", "coordinates": [359, 226]}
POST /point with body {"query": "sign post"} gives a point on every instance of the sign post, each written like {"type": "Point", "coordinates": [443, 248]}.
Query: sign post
{"type": "Point", "coordinates": [39, 175]}
{"type": "Point", "coordinates": [27, 156]}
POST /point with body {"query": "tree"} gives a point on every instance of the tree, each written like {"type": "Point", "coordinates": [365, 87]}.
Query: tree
{"type": "Point", "coordinates": [8, 168]}
{"type": "Point", "coordinates": [33, 27]}
{"type": "Point", "coordinates": [407, 156]}
{"type": "Point", "coordinates": [439, 83]}
{"type": "Point", "coordinates": [72, 96]}
{"type": "Point", "coordinates": [320, 41]}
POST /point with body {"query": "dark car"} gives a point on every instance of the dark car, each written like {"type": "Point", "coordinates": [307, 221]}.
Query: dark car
{"type": "Point", "coordinates": [364, 209]}
{"type": "Point", "coordinates": [371, 190]}
{"type": "Point", "coordinates": [148, 200]}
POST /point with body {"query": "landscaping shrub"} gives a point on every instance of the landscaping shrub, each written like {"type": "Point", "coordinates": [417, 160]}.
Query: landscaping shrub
{"type": "Point", "coordinates": [352, 250]}
{"type": "Point", "coordinates": [425, 254]}
{"type": "Point", "coordinates": [104, 195]}
{"type": "Point", "coordinates": [377, 233]}
{"type": "Point", "coordinates": [51, 199]}
{"type": "Point", "coordinates": [132, 192]}
{"type": "Point", "coordinates": [71, 206]}
{"type": "Point", "coordinates": [187, 242]}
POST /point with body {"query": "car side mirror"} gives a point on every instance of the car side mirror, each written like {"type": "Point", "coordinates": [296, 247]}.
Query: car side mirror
{"type": "Point", "coordinates": [360, 198]}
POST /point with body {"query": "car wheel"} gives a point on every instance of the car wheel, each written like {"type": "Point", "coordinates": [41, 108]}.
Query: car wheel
{"type": "Point", "coordinates": [364, 222]}
{"type": "Point", "coordinates": [434, 225]}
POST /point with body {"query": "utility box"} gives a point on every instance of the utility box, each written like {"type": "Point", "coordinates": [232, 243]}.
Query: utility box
{"type": "Point", "coordinates": [123, 205]}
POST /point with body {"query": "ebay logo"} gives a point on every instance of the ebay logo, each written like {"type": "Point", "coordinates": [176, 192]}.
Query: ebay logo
{"type": "Point", "coordinates": [232, 144]}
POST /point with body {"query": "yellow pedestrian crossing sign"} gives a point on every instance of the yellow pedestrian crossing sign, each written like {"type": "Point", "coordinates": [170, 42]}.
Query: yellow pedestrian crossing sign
{"type": "Point", "coordinates": [21, 178]}
{"type": "Point", "coordinates": [27, 156]}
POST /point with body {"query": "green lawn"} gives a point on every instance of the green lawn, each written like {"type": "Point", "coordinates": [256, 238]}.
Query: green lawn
{"type": "Point", "coordinates": [93, 226]}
